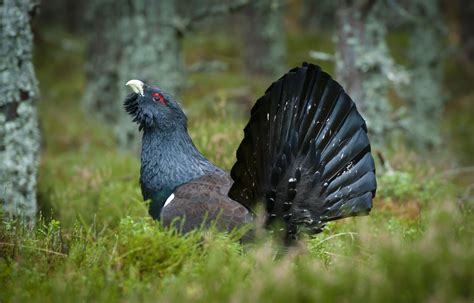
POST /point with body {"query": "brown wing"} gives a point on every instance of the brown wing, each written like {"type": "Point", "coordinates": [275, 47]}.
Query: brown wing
{"type": "Point", "coordinates": [203, 201]}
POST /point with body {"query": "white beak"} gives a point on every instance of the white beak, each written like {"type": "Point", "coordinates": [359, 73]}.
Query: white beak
{"type": "Point", "coordinates": [136, 85]}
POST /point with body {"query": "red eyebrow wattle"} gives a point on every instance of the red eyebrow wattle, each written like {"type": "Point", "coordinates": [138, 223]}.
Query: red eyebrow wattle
{"type": "Point", "coordinates": [160, 96]}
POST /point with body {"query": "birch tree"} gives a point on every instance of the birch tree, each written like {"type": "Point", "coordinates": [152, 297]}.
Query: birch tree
{"type": "Point", "coordinates": [426, 94]}
{"type": "Point", "coordinates": [19, 134]}
{"type": "Point", "coordinates": [364, 65]}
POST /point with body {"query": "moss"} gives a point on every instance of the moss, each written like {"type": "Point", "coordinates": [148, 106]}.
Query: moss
{"type": "Point", "coordinates": [140, 261]}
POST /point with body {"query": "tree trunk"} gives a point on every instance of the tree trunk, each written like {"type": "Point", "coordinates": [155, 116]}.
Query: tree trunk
{"type": "Point", "coordinates": [350, 36]}
{"type": "Point", "coordinates": [64, 13]}
{"type": "Point", "coordinates": [363, 60]}
{"type": "Point", "coordinates": [102, 60]}
{"type": "Point", "coordinates": [317, 15]}
{"type": "Point", "coordinates": [425, 95]}
{"type": "Point", "coordinates": [466, 27]}
{"type": "Point", "coordinates": [263, 38]}
{"type": "Point", "coordinates": [19, 134]}
{"type": "Point", "coordinates": [134, 40]}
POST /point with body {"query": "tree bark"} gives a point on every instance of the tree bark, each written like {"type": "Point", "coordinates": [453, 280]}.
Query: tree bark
{"type": "Point", "coordinates": [19, 134]}
{"type": "Point", "coordinates": [64, 13]}
{"type": "Point", "coordinates": [363, 61]}
{"type": "Point", "coordinates": [263, 38]}
{"type": "Point", "coordinates": [425, 95]}
{"type": "Point", "coordinates": [317, 15]}
{"type": "Point", "coordinates": [466, 27]}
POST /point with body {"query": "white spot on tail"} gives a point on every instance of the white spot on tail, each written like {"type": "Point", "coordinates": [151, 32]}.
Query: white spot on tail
{"type": "Point", "coordinates": [168, 201]}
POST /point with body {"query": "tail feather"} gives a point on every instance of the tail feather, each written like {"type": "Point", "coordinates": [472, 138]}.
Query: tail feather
{"type": "Point", "coordinates": [352, 123]}
{"type": "Point", "coordinates": [305, 153]}
{"type": "Point", "coordinates": [347, 153]}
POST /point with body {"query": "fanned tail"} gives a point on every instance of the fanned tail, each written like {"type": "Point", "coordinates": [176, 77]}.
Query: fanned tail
{"type": "Point", "coordinates": [305, 153]}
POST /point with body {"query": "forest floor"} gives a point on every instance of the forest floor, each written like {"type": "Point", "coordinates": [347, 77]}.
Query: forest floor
{"type": "Point", "coordinates": [96, 242]}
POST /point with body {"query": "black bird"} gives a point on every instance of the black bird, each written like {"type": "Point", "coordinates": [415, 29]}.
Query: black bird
{"type": "Point", "coordinates": [305, 156]}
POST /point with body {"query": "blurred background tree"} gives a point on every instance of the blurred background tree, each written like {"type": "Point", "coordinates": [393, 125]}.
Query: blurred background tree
{"type": "Point", "coordinates": [466, 24]}
{"type": "Point", "coordinates": [426, 99]}
{"type": "Point", "coordinates": [137, 40]}
{"type": "Point", "coordinates": [364, 65]}
{"type": "Point", "coordinates": [19, 134]}
{"type": "Point", "coordinates": [125, 41]}
{"type": "Point", "coordinates": [261, 28]}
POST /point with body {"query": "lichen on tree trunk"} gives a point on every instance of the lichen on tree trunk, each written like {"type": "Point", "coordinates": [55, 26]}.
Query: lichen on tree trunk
{"type": "Point", "coordinates": [363, 62]}
{"type": "Point", "coordinates": [425, 95]}
{"type": "Point", "coordinates": [19, 134]}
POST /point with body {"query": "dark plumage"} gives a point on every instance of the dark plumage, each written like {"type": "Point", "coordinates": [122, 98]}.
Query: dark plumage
{"type": "Point", "coordinates": [305, 155]}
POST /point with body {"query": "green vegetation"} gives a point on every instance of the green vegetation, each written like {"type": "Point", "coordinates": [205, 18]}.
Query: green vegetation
{"type": "Point", "coordinates": [95, 241]}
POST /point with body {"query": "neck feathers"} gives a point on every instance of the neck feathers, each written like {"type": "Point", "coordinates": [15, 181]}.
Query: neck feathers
{"type": "Point", "coordinates": [169, 159]}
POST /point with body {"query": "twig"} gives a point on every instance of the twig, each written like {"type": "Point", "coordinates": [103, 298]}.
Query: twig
{"type": "Point", "coordinates": [335, 236]}
{"type": "Point", "coordinates": [129, 252]}
{"type": "Point", "coordinates": [455, 171]}
{"type": "Point", "coordinates": [343, 256]}
{"type": "Point", "coordinates": [34, 248]}
{"type": "Point", "coordinates": [464, 198]}
{"type": "Point", "coordinates": [321, 56]}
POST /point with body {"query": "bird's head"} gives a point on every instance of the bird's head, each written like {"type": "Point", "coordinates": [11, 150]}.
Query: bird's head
{"type": "Point", "coordinates": [152, 108]}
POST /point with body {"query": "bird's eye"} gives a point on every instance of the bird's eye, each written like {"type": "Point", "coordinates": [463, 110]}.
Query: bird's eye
{"type": "Point", "coordinates": [158, 98]}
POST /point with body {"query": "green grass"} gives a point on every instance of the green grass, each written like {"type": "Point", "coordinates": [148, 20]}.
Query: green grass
{"type": "Point", "coordinates": [95, 241]}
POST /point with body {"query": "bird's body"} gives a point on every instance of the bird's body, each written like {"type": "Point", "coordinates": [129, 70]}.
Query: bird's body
{"type": "Point", "coordinates": [205, 201]}
{"type": "Point", "coordinates": [174, 171]}
{"type": "Point", "coordinates": [169, 164]}
{"type": "Point", "coordinates": [305, 155]}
